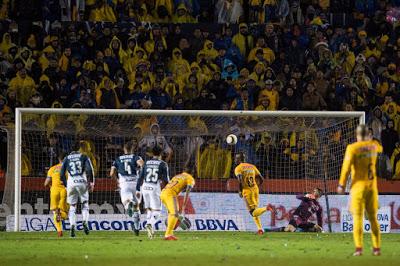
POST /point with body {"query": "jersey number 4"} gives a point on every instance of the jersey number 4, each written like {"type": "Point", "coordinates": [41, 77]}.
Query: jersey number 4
{"type": "Point", "coordinates": [151, 175]}
{"type": "Point", "coordinates": [128, 168]}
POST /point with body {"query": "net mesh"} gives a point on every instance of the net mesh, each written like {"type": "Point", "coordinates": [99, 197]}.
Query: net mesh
{"type": "Point", "coordinates": [296, 153]}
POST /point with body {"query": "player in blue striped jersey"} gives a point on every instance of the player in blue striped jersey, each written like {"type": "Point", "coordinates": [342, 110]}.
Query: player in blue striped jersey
{"type": "Point", "coordinates": [80, 182]}
{"type": "Point", "coordinates": [155, 171]}
{"type": "Point", "coordinates": [126, 169]}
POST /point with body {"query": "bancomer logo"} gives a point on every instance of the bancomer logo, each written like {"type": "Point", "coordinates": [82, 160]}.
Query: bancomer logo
{"type": "Point", "coordinates": [46, 224]}
{"type": "Point", "coordinates": [39, 223]}
{"type": "Point", "coordinates": [383, 217]}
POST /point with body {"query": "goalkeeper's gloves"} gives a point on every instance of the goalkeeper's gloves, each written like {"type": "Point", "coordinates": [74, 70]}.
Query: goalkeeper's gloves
{"type": "Point", "coordinates": [240, 194]}
{"type": "Point", "coordinates": [318, 228]}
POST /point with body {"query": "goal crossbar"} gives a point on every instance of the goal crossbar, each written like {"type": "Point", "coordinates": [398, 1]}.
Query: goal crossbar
{"type": "Point", "coordinates": [211, 113]}
{"type": "Point", "coordinates": [71, 111]}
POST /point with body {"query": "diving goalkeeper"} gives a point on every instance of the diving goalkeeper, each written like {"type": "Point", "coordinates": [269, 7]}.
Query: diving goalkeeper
{"type": "Point", "coordinates": [299, 220]}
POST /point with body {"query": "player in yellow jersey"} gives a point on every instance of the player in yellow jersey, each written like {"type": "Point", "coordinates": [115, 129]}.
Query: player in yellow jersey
{"type": "Point", "coordinates": [58, 194]}
{"type": "Point", "coordinates": [169, 197]}
{"type": "Point", "coordinates": [249, 177]}
{"type": "Point", "coordinates": [360, 159]}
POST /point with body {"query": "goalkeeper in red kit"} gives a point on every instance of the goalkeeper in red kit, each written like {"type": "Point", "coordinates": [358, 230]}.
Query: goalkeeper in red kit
{"type": "Point", "coordinates": [299, 220]}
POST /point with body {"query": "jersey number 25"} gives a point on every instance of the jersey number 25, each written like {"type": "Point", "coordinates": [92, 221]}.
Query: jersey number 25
{"type": "Point", "coordinates": [151, 175]}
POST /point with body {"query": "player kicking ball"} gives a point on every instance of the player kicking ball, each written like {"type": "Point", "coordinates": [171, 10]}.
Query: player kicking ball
{"type": "Point", "coordinates": [148, 188]}
{"type": "Point", "coordinates": [299, 220]}
{"type": "Point", "coordinates": [249, 177]}
{"type": "Point", "coordinates": [360, 159]}
{"type": "Point", "coordinates": [169, 197]}
{"type": "Point", "coordinates": [125, 169]}
{"type": "Point", "coordinates": [58, 194]}
{"type": "Point", "coordinates": [80, 182]}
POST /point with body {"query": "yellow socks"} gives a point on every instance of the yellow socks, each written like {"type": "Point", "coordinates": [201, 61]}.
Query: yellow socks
{"type": "Point", "coordinates": [57, 224]}
{"type": "Point", "coordinates": [256, 216]}
{"type": "Point", "coordinates": [257, 220]}
{"type": "Point", "coordinates": [375, 231]}
{"type": "Point", "coordinates": [171, 225]}
{"type": "Point", "coordinates": [358, 230]}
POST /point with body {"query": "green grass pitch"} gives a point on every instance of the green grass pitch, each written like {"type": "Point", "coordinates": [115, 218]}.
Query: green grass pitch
{"type": "Point", "coordinates": [193, 248]}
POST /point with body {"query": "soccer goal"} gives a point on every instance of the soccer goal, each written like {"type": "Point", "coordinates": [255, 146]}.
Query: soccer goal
{"type": "Point", "coordinates": [296, 151]}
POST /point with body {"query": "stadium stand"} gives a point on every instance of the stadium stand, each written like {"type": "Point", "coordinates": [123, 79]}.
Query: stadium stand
{"type": "Point", "coordinates": [171, 54]}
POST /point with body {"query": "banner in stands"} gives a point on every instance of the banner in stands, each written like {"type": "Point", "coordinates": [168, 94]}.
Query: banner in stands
{"type": "Point", "coordinates": [383, 217]}
{"type": "Point", "coordinates": [207, 211]}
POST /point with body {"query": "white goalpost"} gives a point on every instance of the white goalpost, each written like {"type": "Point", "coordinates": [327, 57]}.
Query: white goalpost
{"type": "Point", "coordinates": [297, 150]}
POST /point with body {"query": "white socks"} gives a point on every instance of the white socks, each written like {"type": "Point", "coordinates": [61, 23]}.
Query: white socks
{"type": "Point", "coordinates": [85, 212]}
{"type": "Point", "coordinates": [153, 217]}
{"type": "Point", "coordinates": [136, 219]}
{"type": "Point", "coordinates": [72, 215]}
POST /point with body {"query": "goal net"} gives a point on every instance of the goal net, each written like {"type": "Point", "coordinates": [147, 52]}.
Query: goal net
{"type": "Point", "coordinates": [296, 151]}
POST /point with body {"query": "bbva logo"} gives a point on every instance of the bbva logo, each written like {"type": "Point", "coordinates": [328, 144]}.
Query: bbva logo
{"type": "Point", "coordinates": [216, 225]}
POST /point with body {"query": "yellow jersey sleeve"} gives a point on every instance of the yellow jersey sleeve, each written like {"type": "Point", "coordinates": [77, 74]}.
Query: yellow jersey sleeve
{"type": "Point", "coordinates": [238, 170]}
{"type": "Point", "coordinates": [50, 172]}
{"type": "Point", "coordinates": [257, 171]}
{"type": "Point", "coordinates": [380, 148]}
{"type": "Point", "coordinates": [346, 167]}
{"type": "Point", "coordinates": [190, 181]}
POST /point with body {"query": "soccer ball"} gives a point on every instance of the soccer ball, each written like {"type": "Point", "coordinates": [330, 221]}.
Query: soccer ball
{"type": "Point", "coordinates": [231, 139]}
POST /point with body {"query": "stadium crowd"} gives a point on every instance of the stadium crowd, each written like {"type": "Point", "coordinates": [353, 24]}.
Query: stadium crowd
{"type": "Point", "coordinates": [277, 55]}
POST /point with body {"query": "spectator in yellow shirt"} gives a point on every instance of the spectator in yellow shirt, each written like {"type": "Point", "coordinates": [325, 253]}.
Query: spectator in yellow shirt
{"type": "Point", "coordinates": [182, 15]}
{"type": "Point", "coordinates": [264, 105]}
{"type": "Point", "coordinates": [243, 40]}
{"type": "Point", "coordinates": [270, 92]}
{"type": "Point", "coordinates": [23, 85]}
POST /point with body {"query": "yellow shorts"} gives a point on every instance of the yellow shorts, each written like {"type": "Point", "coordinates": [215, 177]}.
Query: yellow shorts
{"type": "Point", "coordinates": [364, 199]}
{"type": "Point", "coordinates": [170, 201]}
{"type": "Point", "coordinates": [58, 199]}
{"type": "Point", "coordinates": [250, 196]}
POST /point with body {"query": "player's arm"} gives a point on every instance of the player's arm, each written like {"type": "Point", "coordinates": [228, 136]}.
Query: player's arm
{"type": "Point", "coordinates": [63, 172]}
{"type": "Point", "coordinates": [140, 162]}
{"type": "Point", "coordinates": [302, 197]}
{"type": "Point", "coordinates": [139, 183]}
{"type": "Point", "coordinates": [114, 171]}
{"type": "Point", "coordinates": [185, 200]}
{"type": "Point", "coordinates": [140, 171]}
{"type": "Point", "coordinates": [47, 181]}
{"type": "Point", "coordinates": [89, 170]}
{"type": "Point", "coordinates": [259, 176]}
{"type": "Point", "coordinates": [239, 177]}
{"type": "Point", "coordinates": [346, 167]}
